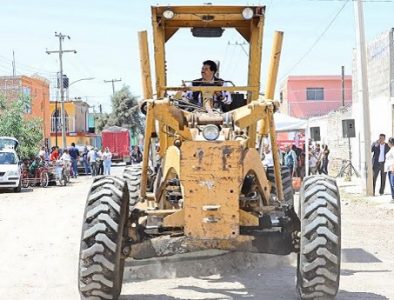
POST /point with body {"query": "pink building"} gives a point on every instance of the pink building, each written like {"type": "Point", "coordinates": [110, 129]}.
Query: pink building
{"type": "Point", "coordinates": [309, 96]}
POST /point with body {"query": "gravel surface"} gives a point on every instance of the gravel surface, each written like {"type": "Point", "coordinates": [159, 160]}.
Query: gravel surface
{"type": "Point", "coordinates": [40, 231]}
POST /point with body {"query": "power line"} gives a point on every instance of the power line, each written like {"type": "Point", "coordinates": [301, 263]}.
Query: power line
{"type": "Point", "coordinates": [370, 1]}
{"type": "Point", "coordinates": [26, 66]}
{"type": "Point", "coordinates": [317, 40]}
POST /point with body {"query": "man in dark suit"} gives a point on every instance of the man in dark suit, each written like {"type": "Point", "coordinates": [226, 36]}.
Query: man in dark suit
{"type": "Point", "coordinates": [379, 149]}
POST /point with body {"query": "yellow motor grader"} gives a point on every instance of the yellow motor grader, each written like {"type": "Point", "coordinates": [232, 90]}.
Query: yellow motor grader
{"type": "Point", "coordinates": [202, 184]}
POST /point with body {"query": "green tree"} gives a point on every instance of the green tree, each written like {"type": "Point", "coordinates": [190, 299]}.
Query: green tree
{"type": "Point", "coordinates": [28, 131]}
{"type": "Point", "coordinates": [125, 113]}
{"type": "Point", "coordinates": [101, 121]}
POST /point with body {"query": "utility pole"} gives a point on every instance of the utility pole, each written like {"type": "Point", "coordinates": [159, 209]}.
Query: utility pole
{"type": "Point", "coordinates": [13, 64]}
{"type": "Point", "coordinates": [349, 175]}
{"type": "Point", "coordinates": [113, 84]}
{"type": "Point", "coordinates": [343, 84]}
{"type": "Point", "coordinates": [362, 83]}
{"type": "Point", "coordinates": [61, 51]}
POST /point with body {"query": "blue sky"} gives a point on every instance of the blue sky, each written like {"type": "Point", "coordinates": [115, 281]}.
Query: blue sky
{"type": "Point", "coordinates": [105, 35]}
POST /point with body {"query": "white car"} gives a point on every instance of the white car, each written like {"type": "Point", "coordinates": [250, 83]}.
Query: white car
{"type": "Point", "coordinates": [10, 171]}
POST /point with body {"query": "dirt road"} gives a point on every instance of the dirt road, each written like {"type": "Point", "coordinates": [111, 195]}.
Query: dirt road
{"type": "Point", "coordinates": [40, 233]}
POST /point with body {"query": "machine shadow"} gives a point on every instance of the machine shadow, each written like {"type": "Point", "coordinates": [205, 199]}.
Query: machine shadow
{"type": "Point", "coordinates": [222, 275]}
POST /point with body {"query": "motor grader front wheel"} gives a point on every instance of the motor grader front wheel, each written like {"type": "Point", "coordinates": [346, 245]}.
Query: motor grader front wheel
{"type": "Point", "coordinates": [103, 234]}
{"type": "Point", "coordinates": [320, 241]}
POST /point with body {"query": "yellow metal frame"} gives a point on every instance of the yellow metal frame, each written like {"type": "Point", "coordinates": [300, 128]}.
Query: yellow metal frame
{"type": "Point", "coordinates": [211, 173]}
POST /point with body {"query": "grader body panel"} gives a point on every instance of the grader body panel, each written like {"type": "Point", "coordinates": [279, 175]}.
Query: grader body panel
{"type": "Point", "coordinates": [202, 184]}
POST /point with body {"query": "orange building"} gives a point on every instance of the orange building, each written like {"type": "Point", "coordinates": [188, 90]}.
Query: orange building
{"type": "Point", "coordinates": [36, 89]}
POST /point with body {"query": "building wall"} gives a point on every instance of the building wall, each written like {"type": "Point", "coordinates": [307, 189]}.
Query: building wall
{"type": "Point", "coordinates": [294, 93]}
{"type": "Point", "coordinates": [39, 89]}
{"type": "Point", "coordinates": [380, 71]}
{"type": "Point", "coordinates": [77, 124]}
{"type": "Point", "coordinates": [331, 135]}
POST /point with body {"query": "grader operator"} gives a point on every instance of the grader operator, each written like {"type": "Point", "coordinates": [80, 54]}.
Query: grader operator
{"type": "Point", "coordinates": [210, 189]}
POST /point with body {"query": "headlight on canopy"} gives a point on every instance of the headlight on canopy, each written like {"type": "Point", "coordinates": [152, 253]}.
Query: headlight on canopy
{"type": "Point", "coordinates": [168, 14]}
{"type": "Point", "coordinates": [211, 132]}
{"type": "Point", "coordinates": [247, 13]}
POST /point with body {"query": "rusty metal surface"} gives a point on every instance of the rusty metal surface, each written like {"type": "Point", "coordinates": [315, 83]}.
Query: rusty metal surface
{"type": "Point", "coordinates": [211, 176]}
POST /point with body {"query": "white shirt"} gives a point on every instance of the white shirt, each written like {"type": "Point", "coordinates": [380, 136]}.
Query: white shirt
{"type": "Point", "coordinates": [65, 157]}
{"type": "Point", "coordinates": [107, 156]}
{"type": "Point", "coordinates": [268, 160]}
{"type": "Point", "coordinates": [312, 161]}
{"type": "Point", "coordinates": [381, 153]}
{"type": "Point", "coordinates": [92, 155]}
{"type": "Point", "coordinates": [389, 160]}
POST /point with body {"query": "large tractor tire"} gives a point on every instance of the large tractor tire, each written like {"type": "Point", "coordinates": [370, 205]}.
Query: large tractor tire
{"type": "Point", "coordinates": [286, 183]}
{"type": "Point", "coordinates": [320, 241]}
{"type": "Point", "coordinates": [104, 232]}
{"type": "Point", "coordinates": [132, 175]}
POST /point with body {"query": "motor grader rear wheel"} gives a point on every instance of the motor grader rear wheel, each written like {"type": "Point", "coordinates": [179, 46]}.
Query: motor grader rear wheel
{"type": "Point", "coordinates": [320, 242]}
{"type": "Point", "coordinates": [288, 192]}
{"type": "Point", "coordinates": [104, 231]}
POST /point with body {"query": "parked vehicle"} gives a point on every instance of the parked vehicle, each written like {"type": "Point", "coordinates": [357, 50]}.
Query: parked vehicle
{"type": "Point", "coordinates": [10, 172]}
{"type": "Point", "coordinates": [42, 176]}
{"type": "Point", "coordinates": [117, 139]}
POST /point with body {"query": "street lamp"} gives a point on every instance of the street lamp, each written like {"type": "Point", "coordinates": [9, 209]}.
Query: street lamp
{"type": "Point", "coordinates": [88, 78]}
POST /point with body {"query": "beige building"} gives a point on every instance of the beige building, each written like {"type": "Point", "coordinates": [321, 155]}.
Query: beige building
{"type": "Point", "coordinates": [76, 122]}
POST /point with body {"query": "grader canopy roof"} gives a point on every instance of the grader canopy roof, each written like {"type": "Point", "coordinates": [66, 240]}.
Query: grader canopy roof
{"type": "Point", "coordinates": [242, 18]}
{"type": "Point", "coordinates": [209, 21]}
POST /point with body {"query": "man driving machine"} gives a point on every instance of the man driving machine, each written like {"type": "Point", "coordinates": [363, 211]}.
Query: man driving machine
{"type": "Point", "coordinates": [208, 100]}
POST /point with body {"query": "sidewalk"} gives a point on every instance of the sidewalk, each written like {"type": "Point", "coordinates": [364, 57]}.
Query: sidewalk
{"type": "Point", "coordinates": [353, 190]}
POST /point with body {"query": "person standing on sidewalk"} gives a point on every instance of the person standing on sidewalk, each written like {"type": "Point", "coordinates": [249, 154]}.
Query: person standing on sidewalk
{"type": "Point", "coordinates": [389, 166]}
{"type": "Point", "coordinates": [107, 156]}
{"type": "Point", "coordinates": [85, 161]}
{"type": "Point", "coordinates": [74, 154]}
{"type": "Point", "coordinates": [379, 149]}
{"type": "Point", "coordinates": [92, 158]}
{"type": "Point", "coordinates": [291, 160]}
{"type": "Point", "coordinates": [100, 166]}
{"type": "Point", "coordinates": [325, 154]}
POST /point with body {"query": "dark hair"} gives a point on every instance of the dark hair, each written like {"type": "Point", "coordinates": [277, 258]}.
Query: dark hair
{"type": "Point", "coordinates": [212, 65]}
{"type": "Point", "coordinates": [382, 134]}
{"type": "Point", "coordinates": [73, 144]}
{"type": "Point", "coordinates": [391, 140]}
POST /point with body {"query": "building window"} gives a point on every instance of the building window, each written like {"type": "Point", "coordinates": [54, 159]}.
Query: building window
{"type": "Point", "coordinates": [314, 93]}
{"type": "Point", "coordinates": [26, 98]}
{"type": "Point", "coordinates": [56, 121]}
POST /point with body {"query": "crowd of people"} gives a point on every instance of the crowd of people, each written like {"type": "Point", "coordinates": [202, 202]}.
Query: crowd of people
{"type": "Point", "coordinates": [318, 160]}
{"type": "Point", "coordinates": [294, 158]}
{"type": "Point", "coordinates": [94, 161]}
